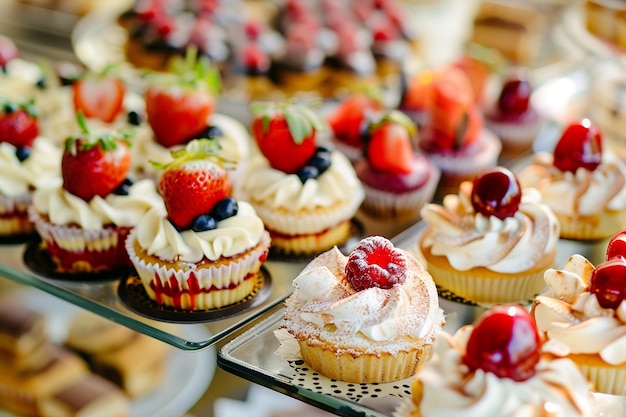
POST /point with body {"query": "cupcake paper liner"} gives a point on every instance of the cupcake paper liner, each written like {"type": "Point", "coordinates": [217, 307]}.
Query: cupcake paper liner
{"type": "Point", "coordinates": [312, 243]}
{"type": "Point", "coordinates": [514, 135]}
{"type": "Point", "coordinates": [14, 215]}
{"type": "Point", "coordinates": [600, 226]}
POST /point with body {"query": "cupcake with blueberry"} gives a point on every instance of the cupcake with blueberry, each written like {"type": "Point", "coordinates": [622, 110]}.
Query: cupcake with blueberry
{"type": "Point", "coordinates": [305, 192]}
{"type": "Point", "coordinates": [203, 248]}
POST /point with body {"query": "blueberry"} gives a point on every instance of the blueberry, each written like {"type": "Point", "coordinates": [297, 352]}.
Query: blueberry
{"type": "Point", "coordinates": [124, 187]}
{"type": "Point", "coordinates": [134, 118]}
{"type": "Point", "coordinates": [212, 132]}
{"type": "Point", "coordinates": [22, 153]}
{"type": "Point", "coordinates": [41, 84]}
{"type": "Point", "coordinates": [225, 208]}
{"type": "Point", "coordinates": [307, 172]}
{"type": "Point", "coordinates": [320, 160]}
{"type": "Point", "coordinates": [203, 222]}
{"type": "Point", "coordinates": [10, 108]}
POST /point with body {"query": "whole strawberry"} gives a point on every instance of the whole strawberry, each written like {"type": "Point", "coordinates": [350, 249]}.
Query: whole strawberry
{"type": "Point", "coordinates": [95, 164]}
{"type": "Point", "coordinates": [390, 144]}
{"type": "Point", "coordinates": [348, 118]}
{"type": "Point", "coordinates": [99, 95]}
{"type": "Point", "coordinates": [194, 183]}
{"type": "Point", "coordinates": [286, 133]}
{"type": "Point", "coordinates": [19, 124]}
{"type": "Point", "coordinates": [178, 104]}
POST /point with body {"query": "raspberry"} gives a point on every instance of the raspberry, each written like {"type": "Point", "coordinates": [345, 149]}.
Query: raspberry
{"type": "Point", "coordinates": [375, 262]}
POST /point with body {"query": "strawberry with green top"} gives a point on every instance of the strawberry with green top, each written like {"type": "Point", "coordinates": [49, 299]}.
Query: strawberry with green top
{"type": "Point", "coordinates": [347, 120]}
{"type": "Point", "coordinates": [99, 95]}
{"type": "Point", "coordinates": [95, 164]}
{"type": "Point", "coordinates": [178, 104]}
{"type": "Point", "coordinates": [194, 184]}
{"type": "Point", "coordinates": [19, 125]}
{"type": "Point", "coordinates": [390, 145]}
{"type": "Point", "coordinates": [286, 133]}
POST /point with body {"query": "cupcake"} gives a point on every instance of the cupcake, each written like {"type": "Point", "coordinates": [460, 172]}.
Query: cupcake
{"type": "Point", "coordinates": [583, 185]}
{"type": "Point", "coordinates": [305, 193]}
{"type": "Point", "coordinates": [203, 249]}
{"type": "Point", "coordinates": [494, 367]}
{"type": "Point", "coordinates": [583, 316]}
{"type": "Point", "coordinates": [27, 161]}
{"type": "Point", "coordinates": [397, 180]}
{"type": "Point", "coordinates": [492, 242]}
{"type": "Point", "coordinates": [84, 218]}
{"type": "Point", "coordinates": [365, 318]}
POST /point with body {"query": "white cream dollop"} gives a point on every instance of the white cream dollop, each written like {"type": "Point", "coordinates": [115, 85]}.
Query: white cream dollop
{"type": "Point", "coordinates": [42, 167]}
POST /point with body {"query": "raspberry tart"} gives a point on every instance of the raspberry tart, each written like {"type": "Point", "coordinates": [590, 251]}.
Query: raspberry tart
{"type": "Point", "coordinates": [369, 317]}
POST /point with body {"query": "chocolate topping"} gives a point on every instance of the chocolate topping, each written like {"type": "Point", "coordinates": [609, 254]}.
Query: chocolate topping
{"type": "Point", "coordinates": [84, 391]}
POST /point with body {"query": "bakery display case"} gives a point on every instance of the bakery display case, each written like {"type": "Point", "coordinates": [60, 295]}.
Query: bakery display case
{"type": "Point", "coordinates": [575, 73]}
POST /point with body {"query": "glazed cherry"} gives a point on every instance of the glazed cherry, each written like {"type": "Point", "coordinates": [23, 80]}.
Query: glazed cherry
{"type": "Point", "coordinates": [608, 282]}
{"type": "Point", "coordinates": [580, 146]}
{"type": "Point", "coordinates": [617, 246]}
{"type": "Point", "coordinates": [375, 262]}
{"type": "Point", "coordinates": [515, 96]}
{"type": "Point", "coordinates": [496, 192]}
{"type": "Point", "coordinates": [505, 342]}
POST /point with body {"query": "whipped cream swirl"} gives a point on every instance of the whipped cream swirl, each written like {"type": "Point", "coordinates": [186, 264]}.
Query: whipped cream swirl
{"type": "Point", "coordinates": [42, 167]}
{"type": "Point", "coordinates": [469, 239]}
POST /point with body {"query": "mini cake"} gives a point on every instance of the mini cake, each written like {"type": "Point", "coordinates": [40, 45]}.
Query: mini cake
{"type": "Point", "coordinates": [397, 180]}
{"type": "Point", "coordinates": [607, 104]}
{"type": "Point", "coordinates": [494, 367]}
{"type": "Point", "coordinates": [306, 194]}
{"type": "Point", "coordinates": [84, 219]}
{"type": "Point", "coordinates": [365, 318]}
{"type": "Point", "coordinates": [204, 248]}
{"type": "Point", "coordinates": [27, 161]}
{"type": "Point", "coordinates": [583, 185]}
{"type": "Point", "coordinates": [492, 242]}
{"type": "Point", "coordinates": [582, 314]}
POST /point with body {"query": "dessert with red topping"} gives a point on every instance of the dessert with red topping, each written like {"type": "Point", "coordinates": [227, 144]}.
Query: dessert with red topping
{"type": "Point", "coordinates": [369, 317]}
{"type": "Point", "coordinates": [582, 314]}
{"type": "Point", "coordinates": [491, 242]}
{"type": "Point", "coordinates": [581, 182]}
{"type": "Point", "coordinates": [203, 249]}
{"type": "Point", "coordinates": [397, 180]}
{"type": "Point", "coordinates": [495, 367]}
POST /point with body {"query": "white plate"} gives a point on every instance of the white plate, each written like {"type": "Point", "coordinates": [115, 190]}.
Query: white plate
{"type": "Point", "coordinates": [187, 376]}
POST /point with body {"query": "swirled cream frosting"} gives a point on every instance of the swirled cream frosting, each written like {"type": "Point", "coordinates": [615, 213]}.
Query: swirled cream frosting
{"type": "Point", "coordinates": [64, 208]}
{"type": "Point", "coordinates": [469, 239]}
{"type": "Point", "coordinates": [234, 235]}
{"type": "Point", "coordinates": [581, 193]}
{"type": "Point", "coordinates": [327, 311]}
{"type": "Point", "coordinates": [449, 389]}
{"type": "Point", "coordinates": [573, 319]}
{"type": "Point", "coordinates": [42, 167]}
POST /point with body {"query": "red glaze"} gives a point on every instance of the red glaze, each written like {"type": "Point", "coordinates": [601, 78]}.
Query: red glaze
{"type": "Point", "coordinates": [580, 146]}
{"type": "Point", "coordinates": [608, 282]}
{"type": "Point", "coordinates": [617, 246]}
{"type": "Point", "coordinates": [496, 192]}
{"type": "Point", "coordinates": [375, 262]}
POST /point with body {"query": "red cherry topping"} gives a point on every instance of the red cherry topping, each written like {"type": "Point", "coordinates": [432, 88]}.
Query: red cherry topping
{"type": "Point", "coordinates": [505, 342]}
{"type": "Point", "coordinates": [608, 282]}
{"type": "Point", "coordinates": [580, 146]}
{"type": "Point", "coordinates": [496, 192]}
{"type": "Point", "coordinates": [515, 96]}
{"type": "Point", "coordinates": [375, 262]}
{"type": "Point", "coordinates": [617, 246]}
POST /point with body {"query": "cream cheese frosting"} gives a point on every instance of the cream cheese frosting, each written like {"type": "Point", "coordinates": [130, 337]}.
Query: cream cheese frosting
{"type": "Point", "coordinates": [42, 167]}
{"type": "Point", "coordinates": [234, 235]}
{"type": "Point", "coordinates": [469, 239]}
{"type": "Point", "coordinates": [573, 319]}
{"type": "Point", "coordinates": [582, 193]}
{"type": "Point", "coordinates": [449, 390]}
{"type": "Point", "coordinates": [401, 318]}
{"type": "Point", "coordinates": [64, 208]}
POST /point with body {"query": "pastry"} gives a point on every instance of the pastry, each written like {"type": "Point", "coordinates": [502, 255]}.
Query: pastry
{"type": "Point", "coordinates": [369, 317]}
{"type": "Point", "coordinates": [90, 334]}
{"type": "Point", "coordinates": [581, 183]}
{"type": "Point", "coordinates": [491, 242]}
{"type": "Point", "coordinates": [604, 20]}
{"type": "Point", "coordinates": [203, 249]}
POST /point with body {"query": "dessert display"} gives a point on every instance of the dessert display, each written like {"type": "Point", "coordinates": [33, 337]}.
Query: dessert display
{"type": "Point", "coordinates": [582, 315]}
{"type": "Point", "coordinates": [491, 242]}
{"type": "Point", "coordinates": [604, 19]}
{"type": "Point", "coordinates": [203, 248]}
{"type": "Point", "coordinates": [305, 192]}
{"type": "Point", "coordinates": [581, 183]}
{"type": "Point", "coordinates": [495, 367]}
{"type": "Point", "coordinates": [397, 180]}
{"type": "Point", "coordinates": [369, 317]}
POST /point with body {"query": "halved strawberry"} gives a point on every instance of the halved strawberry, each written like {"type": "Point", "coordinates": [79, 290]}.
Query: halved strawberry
{"type": "Point", "coordinates": [179, 103]}
{"type": "Point", "coordinates": [348, 117]}
{"type": "Point", "coordinates": [19, 124]}
{"type": "Point", "coordinates": [194, 182]}
{"type": "Point", "coordinates": [285, 133]}
{"type": "Point", "coordinates": [99, 95]}
{"type": "Point", "coordinates": [390, 145]}
{"type": "Point", "coordinates": [95, 164]}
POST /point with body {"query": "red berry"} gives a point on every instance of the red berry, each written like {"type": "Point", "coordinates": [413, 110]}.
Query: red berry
{"type": "Point", "coordinates": [390, 146]}
{"type": "Point", "coordinates": [505, 342]}
{"type": "Point", "coordinates": [515, 96]}
{"type": "Point", "coordinates": [496, 192]}
{"type": "Point", "coordinates": [375, 262]}
{"type": "Point", "coordinates": [616, 247]}
{"type": "Point", "coordinates": [580, 146]}
{"type": "Point", "coordinates": [8, 50]}
{"type": "Point", "coordinates": [608, 282]}
{"type": "Point", "coordinates": [100, 97]}
{"type": "Point", "coordinates": [347, 119]}
{"type": "Point", "coordinates": [254, 59]}
{"type": "Point", "coordinates": [19, 125]}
